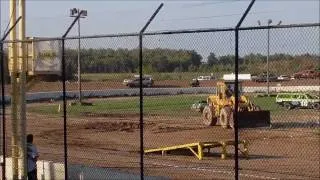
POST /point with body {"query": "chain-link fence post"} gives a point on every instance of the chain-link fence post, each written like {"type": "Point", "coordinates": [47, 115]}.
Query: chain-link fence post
{"type": "Point", "coordinates": [141, 107]}
{"type": "Point", "coordinates": [63, 74]}
{"type": "Point", "coordinates": [3, 163]}
{"type": "Point", "coordinates": [141, 89]}
{"type": "Point", "coordinates": [236, 87]}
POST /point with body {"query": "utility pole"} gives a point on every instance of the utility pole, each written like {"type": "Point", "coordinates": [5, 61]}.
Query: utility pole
{"type": "Point", "coordinates": [268, 52]}
{"type": "Point", "coordinates": [23, 81]}
{"type": "Point", "coordinates": [14, 94]}
{"type": "Point", "coordinates": [2, 98]}
{"type": "Point", "coordinates": [74, 12]}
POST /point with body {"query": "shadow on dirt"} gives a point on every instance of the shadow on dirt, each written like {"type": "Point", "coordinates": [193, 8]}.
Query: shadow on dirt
{"type": "Point", "coordinates": [241, 157]}
{"type": "Point", "coordinates": [292, 125]}
{"type": "Point", "coordinates": [187, 152]}
{"type": "Point", "coordinates": [253, 156]}
{"type": "Point", "coordinates": [112, 115]}
{"type": "Point", "coordinates": [115, 115]}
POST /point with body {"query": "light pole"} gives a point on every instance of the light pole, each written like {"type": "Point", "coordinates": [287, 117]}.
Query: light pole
{"type": "Point", "coordinates": [74, 12]}
{"type": "Point", "coordinates": [268, 51]}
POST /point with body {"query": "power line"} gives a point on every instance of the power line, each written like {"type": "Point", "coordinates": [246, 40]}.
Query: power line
{"type": "Point", "coordinates": [207, 3]}
{"type": "Point", "coordinates": [94, 12]}
{"type": "Point", "coordinates": [216, 16]}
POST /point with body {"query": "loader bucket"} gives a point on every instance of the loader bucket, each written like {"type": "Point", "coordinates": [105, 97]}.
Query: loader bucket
{"type": "Point", "coordinates": [253, 119]}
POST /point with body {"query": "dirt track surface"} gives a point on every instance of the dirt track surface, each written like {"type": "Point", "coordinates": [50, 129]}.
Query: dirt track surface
{"type": "Point", "coordinates": [290, 150]}
{"type": "Point", "coordinates": [112, 141]}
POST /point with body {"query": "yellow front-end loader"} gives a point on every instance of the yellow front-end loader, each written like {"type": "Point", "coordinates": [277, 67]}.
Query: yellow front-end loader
{"type": "Point", "coordinates": [220, 109]}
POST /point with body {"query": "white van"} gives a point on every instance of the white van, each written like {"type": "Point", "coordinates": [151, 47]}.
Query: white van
{"type": "Point", "coordinates": [204, 78]}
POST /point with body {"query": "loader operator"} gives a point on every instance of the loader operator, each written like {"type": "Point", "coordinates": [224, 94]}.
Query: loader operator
{"type": "Point", "coordinates": [229, 91]}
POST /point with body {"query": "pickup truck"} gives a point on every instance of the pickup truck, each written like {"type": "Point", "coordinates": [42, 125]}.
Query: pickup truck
{"type": "Point", "coordinates": [203, 78]}
{"type": "Point", "coordinates": [146, 82]}
{"type": "Point", "coordinates": [263, 78]}
{"type": "Point", "coordinates": [306, 74]}
{"type": "Point", "coordinates": [284, 78]}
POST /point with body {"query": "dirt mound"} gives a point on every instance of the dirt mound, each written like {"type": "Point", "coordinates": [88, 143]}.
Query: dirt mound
{"type": "Point", "coordinates": [113, 115]}
{"type": "Point", "coordinates": [163, 128]}
{"type": "Point", "coordinates": [112, 126]}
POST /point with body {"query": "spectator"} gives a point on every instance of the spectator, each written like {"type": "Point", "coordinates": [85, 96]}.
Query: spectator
{"type": "Point", "coordinates": [32, 158]}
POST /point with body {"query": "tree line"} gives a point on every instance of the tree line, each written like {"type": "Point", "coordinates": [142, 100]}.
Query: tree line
{"type": "Point", "coordinates": [173, 60]}
{"type": "Point", "coordinates": [124, 60]}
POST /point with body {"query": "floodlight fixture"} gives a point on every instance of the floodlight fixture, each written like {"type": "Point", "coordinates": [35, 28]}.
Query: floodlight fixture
{"type": "Point", "coordinates": [73, 11]}
{"type": "Point", "coordinates": [84, 13]}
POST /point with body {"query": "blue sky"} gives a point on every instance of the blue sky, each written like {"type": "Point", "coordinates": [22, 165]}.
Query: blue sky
{"type": "Point", "coordinates": [51, 18]}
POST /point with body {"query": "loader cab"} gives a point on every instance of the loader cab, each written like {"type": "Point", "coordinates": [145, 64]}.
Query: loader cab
{"type": "Point", "coordinates": [226, 89]}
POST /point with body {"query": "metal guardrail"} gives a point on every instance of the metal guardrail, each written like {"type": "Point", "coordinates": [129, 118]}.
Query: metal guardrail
{"type": "Point", "coordinates": [57, 95]}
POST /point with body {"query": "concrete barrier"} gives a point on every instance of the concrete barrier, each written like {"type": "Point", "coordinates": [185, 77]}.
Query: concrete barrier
{"type": "Point", "coordinates": [48, 170]}
{"type": "Point", "coordinates": [57, 95]}
{"type": "Point", "coordinates": [277, 89]}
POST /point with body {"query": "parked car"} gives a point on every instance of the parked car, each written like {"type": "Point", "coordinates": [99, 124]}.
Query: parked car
{"type": "Point", "coordinates": [126, 81]}
{"type": "Point", "coordinates": [254, 77]}
{"type": "Point", "coordinates": [283, 78]}
{"type": "Point", "coordinates": [298, 100]}
{"type": "Point", "coordinates": [195, 83]}
{"type": "Point", "coordinates": [204, 78]}
{"type": "Point", "coordinates": [199, 106]}
{"type": "Point", "coordinates": [306, 74]}
{"type": "Point", "coordinates": [146, 82]}
{"type": "Point", "coordinates": [263, 78]}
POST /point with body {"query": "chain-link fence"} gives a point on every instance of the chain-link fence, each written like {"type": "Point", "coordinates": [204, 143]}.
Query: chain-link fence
{"type": "Point", "coordinates": [184, 119]}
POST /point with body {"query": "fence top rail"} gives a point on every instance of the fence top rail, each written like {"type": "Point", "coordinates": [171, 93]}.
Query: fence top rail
{"type": "Point", "coordinates": [182, 31]}
{"type": "Point", "coordinates": [185, 31]}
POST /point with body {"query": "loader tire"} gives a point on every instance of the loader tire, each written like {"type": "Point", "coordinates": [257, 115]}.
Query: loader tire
{"type": "Point", "coordinates": [207, 116]}
{"type": "Point", "coordinates": [257, 108]}
{"type": "Point", "coordinates": [225, 114]}
{"type": "Point", "coordinates": [288, 106]}
{"type": "Point", "coordinates": [316, 106]}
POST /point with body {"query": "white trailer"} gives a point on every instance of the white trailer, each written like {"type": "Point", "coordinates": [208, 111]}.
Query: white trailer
{"type": "Point", "coordinates": [241, 77]}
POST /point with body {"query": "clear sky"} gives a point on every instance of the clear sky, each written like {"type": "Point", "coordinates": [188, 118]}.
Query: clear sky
{"type": "Point", "coordinates": [51, 18]}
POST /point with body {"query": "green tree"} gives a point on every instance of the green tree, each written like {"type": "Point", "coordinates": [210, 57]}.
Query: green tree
{"type": "Point", "coordinates": [212, 59]}
{"type": "Point", "coordinates": [195, 58]}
